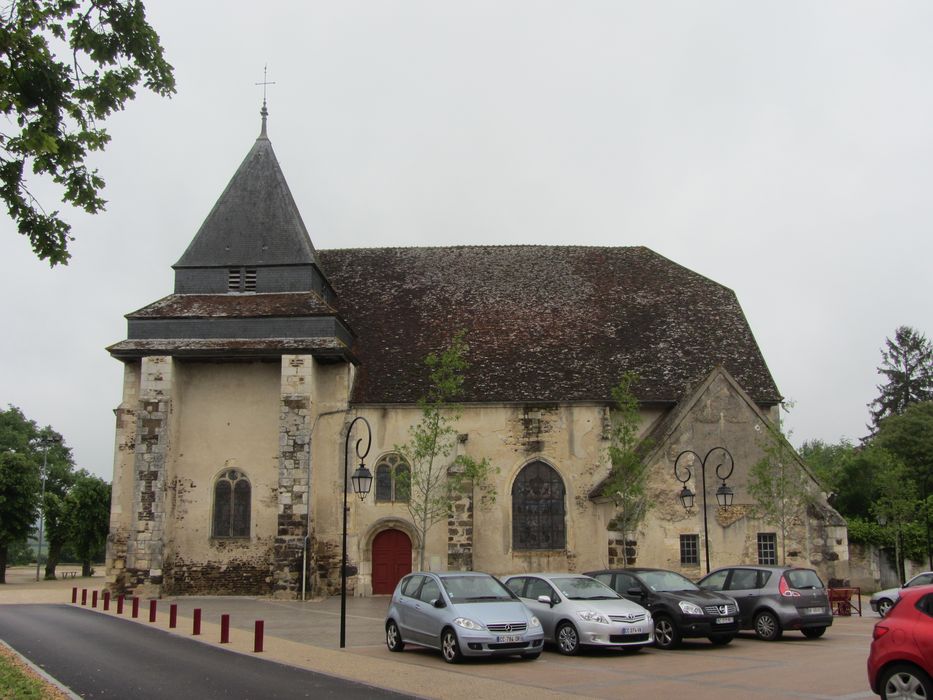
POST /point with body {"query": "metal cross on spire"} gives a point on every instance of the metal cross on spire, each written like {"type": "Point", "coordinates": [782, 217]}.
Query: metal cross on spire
{"type": "Point", "coordinates": [264, 112]}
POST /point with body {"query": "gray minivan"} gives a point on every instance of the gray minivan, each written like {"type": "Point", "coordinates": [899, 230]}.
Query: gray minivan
{"type": "Point", "coordinates": [774, 598]}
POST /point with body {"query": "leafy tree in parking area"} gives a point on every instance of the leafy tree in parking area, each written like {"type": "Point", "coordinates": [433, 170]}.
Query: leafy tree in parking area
{"type": "Point", "coordinates": [434, 480]}
{"type": "Point", "coordinates": [65, 66]}
{"type": "Point", "coordinates": [778, 485]}
{"type": "Point", "coordinates": [56, 455]}
{"type": "Point", "coordinates": [628, 474]}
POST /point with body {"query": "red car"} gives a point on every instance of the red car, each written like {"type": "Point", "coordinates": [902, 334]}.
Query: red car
{"type": "Point", "coordinates": [900, 662]}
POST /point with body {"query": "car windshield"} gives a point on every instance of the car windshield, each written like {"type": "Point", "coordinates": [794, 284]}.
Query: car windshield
{"type": "Point", "coordinates": [475, 589]}
{"type": "Point", "coordinates": [803, 578]}
{"type": "Point", "coordinates": [584, 588]}
{"type": "Point", "coordinates": [663, 581]}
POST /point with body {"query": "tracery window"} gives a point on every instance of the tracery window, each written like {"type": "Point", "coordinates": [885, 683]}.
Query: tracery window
{"type": "Point", "coordinates": [392, 479]}
{"type": "Point", "coordinates": [538, 508]}
{"type": "Point", "coordinates": [232, 495]}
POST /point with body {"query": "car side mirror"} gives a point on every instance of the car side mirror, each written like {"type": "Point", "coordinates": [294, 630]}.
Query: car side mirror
{"type": "Point", "coordinates": [634, 591]}
{"type": "Point", "coordinates": [439, 603]}
{"type": "Point", "coordinates": [546, 599]}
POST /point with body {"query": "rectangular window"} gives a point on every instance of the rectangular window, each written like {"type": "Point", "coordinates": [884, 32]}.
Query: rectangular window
{"type": "Point", "coordinates": [249, 280]}
{"type": "Point", "coordinates": [233, 280]}
{"type": "Point", "coordinates": [767, 548]}
{"type": "Point", "coordinates": [690, 549]}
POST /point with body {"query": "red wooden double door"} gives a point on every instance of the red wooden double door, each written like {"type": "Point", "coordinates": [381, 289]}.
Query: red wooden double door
{"type": "Point", "coordinates": [391, 560]}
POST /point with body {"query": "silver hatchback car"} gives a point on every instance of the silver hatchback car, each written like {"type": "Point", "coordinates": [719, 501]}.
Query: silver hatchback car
{"type": "Point", "coordinates": [461, 614]}
{"type": "Point", "coordinates": [578, 611]}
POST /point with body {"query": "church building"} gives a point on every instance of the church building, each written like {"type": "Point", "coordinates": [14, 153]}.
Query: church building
{"type": "Point", "coordinates": [240, 386]}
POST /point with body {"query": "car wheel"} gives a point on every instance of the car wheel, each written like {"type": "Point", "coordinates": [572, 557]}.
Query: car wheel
{"type": "Point", "coordinates": [813, 632]}
{"type": "Point", "coordinates": [905, 681]}
{"type": "Point", "coordinates": [666, 634]}
{"type": "Point", "coordinates": [568, 640]}
{"type": "Point", "coordinates": [884, 605]}
{"type": "Point", "coordinates": [721, 640]}
{"type": "Point", "coordinates": [767, 626]}
{"type": "Point", "coordinates": [531, 656]}
{"type": "Point", "coordinates": [450, 647]}
{"type": "Point", "coordinates": [394, 637]}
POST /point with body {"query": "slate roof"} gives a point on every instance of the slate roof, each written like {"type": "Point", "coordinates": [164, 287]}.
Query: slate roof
{"type": "Point", "coordinates": [236, 305]}
{"type": "Point", "coordinates": [544, 323]}
{"type": "Point", "coordinates": [255, 221]}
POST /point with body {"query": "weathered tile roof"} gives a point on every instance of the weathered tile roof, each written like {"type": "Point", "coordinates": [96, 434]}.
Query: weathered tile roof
{"type": "Point", "coordinates": [544, 323]}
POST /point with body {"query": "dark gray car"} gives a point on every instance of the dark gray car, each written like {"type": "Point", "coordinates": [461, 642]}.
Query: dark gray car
{"type": "Point", "coordinates": [774, 598]}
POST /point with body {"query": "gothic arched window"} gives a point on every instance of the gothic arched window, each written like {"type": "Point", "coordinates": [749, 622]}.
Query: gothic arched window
{"type": "Point", "coordinates": [232, 494]}
{"type": "Point", "coordinates": [392, 479]}
{"type": "Point", "coordinates": [538, 508]}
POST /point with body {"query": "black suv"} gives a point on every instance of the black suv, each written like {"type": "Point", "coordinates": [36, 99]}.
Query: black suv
{"type": "Point", "coordinates": [679, 608]}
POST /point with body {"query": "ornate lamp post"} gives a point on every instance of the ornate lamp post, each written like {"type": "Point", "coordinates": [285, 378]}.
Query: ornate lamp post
{"type": "Point", "coordinates": [47, 441]}
{"type": "Point", "coordinates": [724, 493]}
{"type": "Point", "coordinates": [362, 481]}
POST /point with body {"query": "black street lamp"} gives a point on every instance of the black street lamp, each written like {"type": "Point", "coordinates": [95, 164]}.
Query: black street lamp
{"type": "Point", "coordinates": [362, 481]}
{"type": "Point", "coordinates": [724, 493]}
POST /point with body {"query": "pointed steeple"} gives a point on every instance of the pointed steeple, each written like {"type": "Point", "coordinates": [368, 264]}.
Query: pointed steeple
{"type": "Point", "coordinates": [254, 232]}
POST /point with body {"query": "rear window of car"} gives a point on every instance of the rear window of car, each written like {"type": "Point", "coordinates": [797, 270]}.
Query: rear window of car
{"type": "Point", "coordinates": [803, 578]}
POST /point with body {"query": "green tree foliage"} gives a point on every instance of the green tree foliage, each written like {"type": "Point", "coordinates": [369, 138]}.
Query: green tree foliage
{"type": "Point", "coordinates": [19, 481]}
{"type": "Point", "coordinates": [628, 474]}
{"type": "Point", "coordinates": [65, 66]}
{"type": "Point", "coordinates": [19, 498]}
{"type": "Point", "coordinates": [87, 510]}
{"type": "Point", "coordinates": [779, 485]}
{"type": "Point", "coordinates": [907, 364]}
{"type": "Point", "coordinates": [896, 502]}
{"type": "Point", "coordinates": [434, 480]}
{"type": "Point", "coordinates": [56, 456]}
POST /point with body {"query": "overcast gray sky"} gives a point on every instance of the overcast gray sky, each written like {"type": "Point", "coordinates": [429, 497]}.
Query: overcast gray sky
{"type": "Point", "coordinates": [783, 149]}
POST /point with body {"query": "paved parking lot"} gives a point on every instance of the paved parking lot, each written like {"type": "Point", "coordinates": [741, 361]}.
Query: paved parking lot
{"type": "Point", "coordinates": [307, 634]}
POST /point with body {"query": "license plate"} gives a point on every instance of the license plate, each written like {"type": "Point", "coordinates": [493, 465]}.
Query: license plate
{"type": "Point", "coordinates": [813, 611]}
{"type": "Point", "coordinates": [509, 638]}
{"type": "Point", "coordinates": [632, 630]}
{"type": "Point", "coordinates": [723, 620]}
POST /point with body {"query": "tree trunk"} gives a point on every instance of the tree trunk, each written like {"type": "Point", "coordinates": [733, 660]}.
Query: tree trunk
{"type": "Point", "coordinates": [3, 563]}
{"type": "Point", "coordinates": [51, 560]}
{"type": "Point", "coordinates": [86, 567]}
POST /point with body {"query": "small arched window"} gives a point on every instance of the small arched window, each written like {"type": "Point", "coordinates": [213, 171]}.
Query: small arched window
{"type": "Point", "coordinates": [232, 494]}
{"type": "Point", "coordinates": [538, 508]}
{"type": "Point", "coordinates": [393, 479]}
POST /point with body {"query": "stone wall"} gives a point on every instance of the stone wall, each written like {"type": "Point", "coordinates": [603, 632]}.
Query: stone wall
{"type": "Point", "coordinates": [295, 423]}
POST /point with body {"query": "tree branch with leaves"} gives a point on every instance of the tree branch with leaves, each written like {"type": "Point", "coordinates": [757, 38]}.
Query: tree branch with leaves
{"type": "Point", "coordinates": [65, 66]}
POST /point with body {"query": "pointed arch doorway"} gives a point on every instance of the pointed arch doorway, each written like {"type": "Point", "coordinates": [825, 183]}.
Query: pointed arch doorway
{"type": "Point", "coordinates": [391, 560]}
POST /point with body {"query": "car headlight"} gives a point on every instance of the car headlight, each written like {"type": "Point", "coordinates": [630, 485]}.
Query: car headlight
{"type": "Point", "coordinates": [690, 608]}
{"type": "Point", "coordinates": [535, 622]}
{"type": "Point", "coordinates": [593, 616]}
{"type": "Point", "coordinates": [467, 623]}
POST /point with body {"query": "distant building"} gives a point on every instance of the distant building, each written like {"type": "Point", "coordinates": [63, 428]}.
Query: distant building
{"type": "Point", "coordinates": [239, 387]}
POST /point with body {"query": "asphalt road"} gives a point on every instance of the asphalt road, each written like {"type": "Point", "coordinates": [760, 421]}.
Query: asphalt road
{"type": "Point", "coordinates": [98, 656]}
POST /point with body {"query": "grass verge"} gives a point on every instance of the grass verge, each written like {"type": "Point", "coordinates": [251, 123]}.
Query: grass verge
{"type": "Point", "coordinates": [19, 682]}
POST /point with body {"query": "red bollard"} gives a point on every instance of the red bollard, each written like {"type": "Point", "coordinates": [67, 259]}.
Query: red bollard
{"type": "Point", "coordinates": [152, 610]}
{"type": "Point", "coordinates": [135, 606]}
{"type": "Point", "coordinates": [119, 605]}
{"type": "Point", "coordinates": [83, 596]}
{"type": "Point", "coordinates": [196, 629]}
{"type": "Point", "coordinates": [74, 594]}
{"type": "Point", "coordinates": [93, 599]}
{"type": "Point", "coordinates": [224, 629]}
{"type": "Point", "coordinates": [106, 600]}
{"type": "Point", "coordinates": [172, 615]}
{"type": "Point", "coordinates": [257, 636]}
